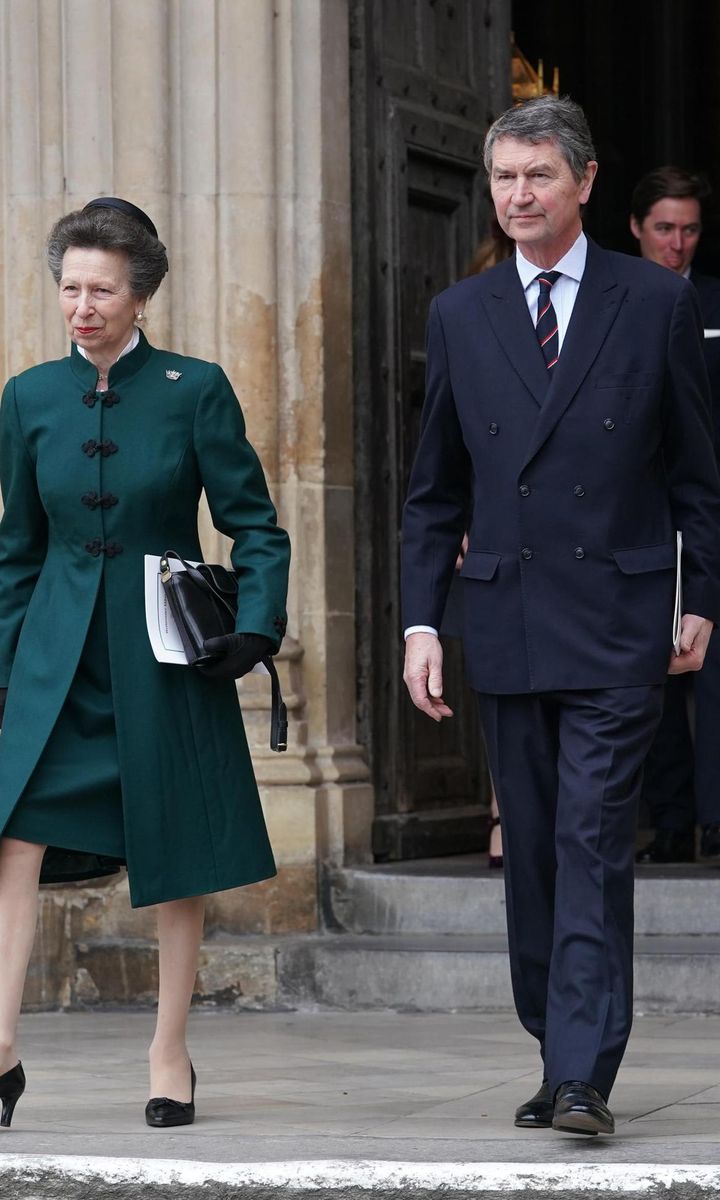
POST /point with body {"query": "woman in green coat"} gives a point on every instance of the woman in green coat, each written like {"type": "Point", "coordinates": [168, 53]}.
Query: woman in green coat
{"type": "Point", "coordinates": [107, 756]}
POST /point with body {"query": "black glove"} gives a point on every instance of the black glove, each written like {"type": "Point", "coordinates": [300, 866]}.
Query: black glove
{"type": "Point", "coordinates": [235, 653]}
{"type": "Point", "coordinates": [3, 698]}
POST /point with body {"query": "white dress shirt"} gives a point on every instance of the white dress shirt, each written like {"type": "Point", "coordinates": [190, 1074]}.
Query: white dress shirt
{"type": "Point", "coordinates": [563, 295]}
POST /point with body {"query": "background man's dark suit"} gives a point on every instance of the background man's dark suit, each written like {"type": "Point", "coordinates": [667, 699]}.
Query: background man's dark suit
{"type": "Point", "coordinates": [682, 775]}
{"type": "Point", "coordinates": [577, 489]}
{"type": "Point", "coordinates": [708, 291]}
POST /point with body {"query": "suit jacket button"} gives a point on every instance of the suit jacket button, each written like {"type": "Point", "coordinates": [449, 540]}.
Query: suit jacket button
{"type": "Point", "coordinates": [526, 553]}
{"type": "Point", "coordinates": [579, 552]}
{"type": "Point", "coordinates": [524, 489]}
{"type": "Point", "coordinates": [609, 423]}
{"type": "Point", "coordinates": [492, 428]}
{"type": "Point", "coordinates": [579, 490]}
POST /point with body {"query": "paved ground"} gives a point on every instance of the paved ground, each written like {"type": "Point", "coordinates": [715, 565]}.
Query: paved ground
{"type": "Point", "coordinates": [340, 1105]}
{"type": "Point", "coordinates": [370, 1087]}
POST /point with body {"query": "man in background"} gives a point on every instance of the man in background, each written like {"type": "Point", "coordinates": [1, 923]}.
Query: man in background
{"type": "Point", "coordinates": [682, 781]}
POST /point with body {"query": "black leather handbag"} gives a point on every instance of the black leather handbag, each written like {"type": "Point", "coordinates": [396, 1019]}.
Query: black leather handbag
{"type": "Point", "coordinates": [204, 602]}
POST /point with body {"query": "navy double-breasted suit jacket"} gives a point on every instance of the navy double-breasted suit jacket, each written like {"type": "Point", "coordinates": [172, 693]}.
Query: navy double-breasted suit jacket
{"type": "Point", "coordinates": [576, 487]}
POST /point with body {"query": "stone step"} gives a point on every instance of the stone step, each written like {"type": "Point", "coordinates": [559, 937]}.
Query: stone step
{"type": "Point", "coordinates": [46, 1177]}
{"type": "Point", "coordinates": [468, 972]}
{"type": "Point", "coordinates": [412, 972]}
{"type": "Point", "coordinates": [233, 972]}
{"type": "Point", "coordinates": [461, 896]}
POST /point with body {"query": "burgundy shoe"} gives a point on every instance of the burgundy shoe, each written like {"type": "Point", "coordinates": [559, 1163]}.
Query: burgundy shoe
{"type": "Point", "coordinates": [495, 861]}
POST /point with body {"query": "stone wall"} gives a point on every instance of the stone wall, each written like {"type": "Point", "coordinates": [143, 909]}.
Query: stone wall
{"type": "Point", "coordinates": [228, 121]}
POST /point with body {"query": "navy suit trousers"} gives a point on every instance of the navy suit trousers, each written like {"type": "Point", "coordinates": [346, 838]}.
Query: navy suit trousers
{"type": "Point", "coordinates": [567, 769]}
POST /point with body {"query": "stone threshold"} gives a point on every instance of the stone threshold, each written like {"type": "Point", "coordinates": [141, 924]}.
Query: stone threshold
{"type": "Point", "coordinates": [40, 1177]}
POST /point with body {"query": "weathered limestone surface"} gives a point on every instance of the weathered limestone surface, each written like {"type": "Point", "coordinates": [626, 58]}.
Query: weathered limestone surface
{"type": "Point", "coordinates": [229, 122]}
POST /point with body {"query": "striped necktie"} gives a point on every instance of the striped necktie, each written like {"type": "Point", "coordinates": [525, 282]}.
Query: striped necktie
{"type": "Point", "coordinates": [547, 326]}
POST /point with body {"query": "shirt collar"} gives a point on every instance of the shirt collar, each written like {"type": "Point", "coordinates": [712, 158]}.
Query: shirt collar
{"type": "Point", "coordinates": [571, 264]}
{"type": "Point", "coordinates": [128, 349]}
{"type": "Point", "coordinates": [128, 364]}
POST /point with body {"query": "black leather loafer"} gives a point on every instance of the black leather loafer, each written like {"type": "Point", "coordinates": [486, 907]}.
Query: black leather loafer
{"type": "Point", "coordinates": [579, 1108]}
{"type": "Point", "coordinates": [536, 1113]}
{"type": "Point", "coordinates": [668, 846]}
{"type": "Point", "coordinates": [163, 1113]}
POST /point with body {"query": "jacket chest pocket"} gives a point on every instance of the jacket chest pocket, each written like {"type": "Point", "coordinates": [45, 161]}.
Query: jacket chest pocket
{"type": "Point", "coordinates": [628, 394]}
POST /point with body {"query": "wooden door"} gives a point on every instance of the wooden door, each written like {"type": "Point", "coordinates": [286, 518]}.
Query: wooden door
{"type": "Point", "coordinates": [428, 76]}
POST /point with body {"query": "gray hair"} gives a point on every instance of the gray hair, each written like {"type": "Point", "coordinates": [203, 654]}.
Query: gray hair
{"type": "Point", "coordinates": [108, 229]}
{"type": "Point", "coordinates": [546, 119]}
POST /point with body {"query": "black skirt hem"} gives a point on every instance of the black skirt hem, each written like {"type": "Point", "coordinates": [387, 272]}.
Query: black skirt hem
{"type": "Point", "coordinates": [77, 866]}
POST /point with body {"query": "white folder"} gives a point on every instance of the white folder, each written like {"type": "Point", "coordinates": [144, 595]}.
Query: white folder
{"type": "Point", "coordinates": [677, 614]}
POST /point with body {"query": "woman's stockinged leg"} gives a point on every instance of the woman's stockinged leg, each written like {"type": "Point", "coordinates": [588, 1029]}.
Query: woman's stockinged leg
{"type": "Point", "coordinates": [20, 864]}
{"type": "Point", "coordinates": [180, 930]}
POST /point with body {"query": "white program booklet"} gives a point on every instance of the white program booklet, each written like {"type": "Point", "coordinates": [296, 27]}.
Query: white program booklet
{"type": "Point", "coordinates": [711, 333]}
{"type": "Point", "coordinates": [162, 630]}
{"type": "Point", "coordinates": [677, 614]}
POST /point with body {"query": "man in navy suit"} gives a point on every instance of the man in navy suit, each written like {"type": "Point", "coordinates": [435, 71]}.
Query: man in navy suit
{"type": "Point", "coordinates": [682, 775]}
{"type": "Point", "coordinates": [567, 410]}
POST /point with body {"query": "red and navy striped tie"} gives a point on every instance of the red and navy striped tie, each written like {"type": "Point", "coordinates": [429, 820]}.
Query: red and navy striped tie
{"type": "Point", "coordinates": [547, 326]}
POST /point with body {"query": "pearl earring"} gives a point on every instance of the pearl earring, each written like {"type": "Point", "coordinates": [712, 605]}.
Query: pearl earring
{"type": "Point", "coordinates": [140, 316]}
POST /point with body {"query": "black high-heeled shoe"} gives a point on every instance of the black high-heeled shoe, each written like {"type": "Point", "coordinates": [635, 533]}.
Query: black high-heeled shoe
{"type": "Point", "coordinates": [12, 1086]}
{"type": "Point", "coordinates": [495, 861]}
{"type": "Point", "coordinates": [163, 1113]}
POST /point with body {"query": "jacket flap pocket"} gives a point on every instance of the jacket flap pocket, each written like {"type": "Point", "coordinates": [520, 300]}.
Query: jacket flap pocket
{"type": "Point", "coordinates": [479, 564]}
{"type": "Point", "coordinates": [646, 558]}
{"type": "Point", "coordinates": [628, 379]}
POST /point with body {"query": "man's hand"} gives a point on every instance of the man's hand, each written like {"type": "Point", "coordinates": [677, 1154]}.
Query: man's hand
{"type": "Point", "coordinates": [463, 551]}
{"type": "Point", "coordinates": [423, 674]}
{"type": "Point", "coordinates": [694, 640]}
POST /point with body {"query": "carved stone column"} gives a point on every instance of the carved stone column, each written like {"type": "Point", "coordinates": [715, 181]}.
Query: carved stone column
{"type": "Point", "coordinates": [315, 402]}
{"type": "Point", "coordinates": [229, 123]}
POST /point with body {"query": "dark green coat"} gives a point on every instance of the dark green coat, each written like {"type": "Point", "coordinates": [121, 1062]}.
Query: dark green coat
{"type": "Point", "coordinates": [192, 815]}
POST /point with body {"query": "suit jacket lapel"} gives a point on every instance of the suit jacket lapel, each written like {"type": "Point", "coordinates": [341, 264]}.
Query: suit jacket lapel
{"type": "Point", "coordinates": [509, 317]}
{"type": "Point", "coordinates": [597, 304]}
